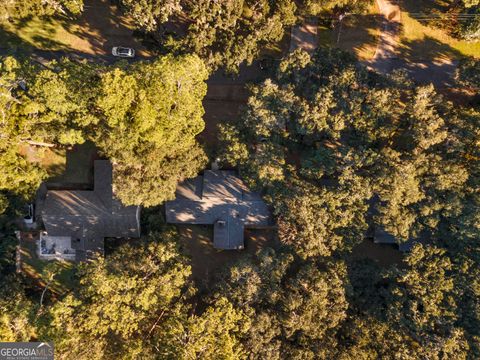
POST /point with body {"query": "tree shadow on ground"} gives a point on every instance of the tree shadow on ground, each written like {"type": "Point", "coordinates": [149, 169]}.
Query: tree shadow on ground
{"type": "Point", "coordinates": [11, 43]}
{"type": "Point", "coordinates": [424, 6]}
{"type": "Point", "coordinates": [99, 28]}
{"type": "Point", "coordinates": [440, 70]}
{"type": "Point", "coordinates": [98, 23]}
{"type": "Point", "coordinates": [78, 167]}
{"type": "Point", "coordinates": [356, 34]}
{"type": "Point", "coordinates": [359, 34]}
{"type": "Point", "coordinates": [104, 26]}
{"type": "Point", "coordinates": [427, 48]}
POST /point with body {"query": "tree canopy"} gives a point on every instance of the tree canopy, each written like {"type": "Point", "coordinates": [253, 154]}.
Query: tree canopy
{"type": "Point", "coordinates": [149, 116]}
{"type": "Point", "coordinates": [226, 33]}
{"type": "Point", "coordinates": [468, 73]}
{"type": "Point", "coordinates": [18, 9]}
{"type": "Point", "coordinates": [341, 151]}
{"type": "Point", "coordinates": [148, 312]}
{"type": "Point", "coordinates": [143, 117]}
{"type": "Point", "coordinates": [350, 150]}
{"type": "Point", "coordinates": [338, 152]}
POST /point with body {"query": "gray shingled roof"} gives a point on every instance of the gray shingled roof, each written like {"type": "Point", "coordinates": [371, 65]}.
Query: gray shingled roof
{"type": "Point", "coordinates": [219, 198]}
{"type": "Point", "coordinates": [381, 236]}
{"type": "Point", "coordinates": [90, 216]}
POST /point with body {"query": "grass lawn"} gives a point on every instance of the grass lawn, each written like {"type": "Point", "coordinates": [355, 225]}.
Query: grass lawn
{"type": "Point", "coordinates": [72, 166]}
{"type": "Point", "coordinates": [100, 27]}
{"type": "Point", "coordinates": [47, 33]}
{"type": "Point", "coordinates": [33, 267]}
{"type": "Point", "coordinates": [358, 34]}
{"type": "Point", "coordinates": [421, 42]}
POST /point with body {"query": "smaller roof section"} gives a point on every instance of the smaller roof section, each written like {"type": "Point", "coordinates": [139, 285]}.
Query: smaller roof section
{"type": "Point", "coordinates": [382, 236]}
{"type": "Point", "coordinates": [222, 185]}
{"type": "Point", "coordinates": [228, 230]}
{"type": "Point", "coordinates": [190, 189]}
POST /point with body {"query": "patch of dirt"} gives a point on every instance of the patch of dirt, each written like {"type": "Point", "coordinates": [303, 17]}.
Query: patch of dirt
{"type": "Point", "coordinates": [217, 112]}
{"type": "Point", "coordinates": [196, 242]}
{"type": "Point", "coordinates": [461, 96]}
{"type": "Point", "coordinates": [101, 27]}
{"type": "Point", "coordinates": [53, 160]}
{"type": "Point", "coordinates": [384, 255]}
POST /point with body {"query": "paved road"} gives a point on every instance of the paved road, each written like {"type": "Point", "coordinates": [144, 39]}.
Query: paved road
{"type": "Point", "coordinates": [389, 38]}
{"type": "Point", "coordinates": [388, 58]}
{"type": "Point", "coordinates": [305, 35]}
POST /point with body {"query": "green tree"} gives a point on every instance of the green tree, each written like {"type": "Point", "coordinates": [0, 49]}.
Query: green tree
{"type": "Point", "coordinates": [149, 115]}
{"type": "Point", "coordinates": [137, 303]}
{"type": "Point", "coordinates": [144, 283]}
{"type": "Point", "coordinates": [18, 9]}
{"type": "Point", "coordinates": [16, 308]}
{"type": "Point", "coordinates": [297, 306]}
{"type": "Point", "coordinates": [316, 7]}
{"type": "Point", "coordinates": [468, 73]}
{"type": "Point", "coordinates": [223, 33]}
{"type": "Point", "coordinates": [215, 334]}
{"type": "Point", "coordinates": [149, 13]}
{"type": "Point", "coordinates": [41, 107]}
{"type": "Point", "coordinates": [19, 175]}
{"type": "Point", "coordinates": [143, 117]}
{"type": "Point", "coordinates": [425, 291]}
{"type": "Point", "coordinates": [314, 303]}
{"type": "Point", "coordinates": [16, 312]}
{"type": "Point", "coordinates": [231, 32]}
{"type": "Point", "coordinates": [338, 149]}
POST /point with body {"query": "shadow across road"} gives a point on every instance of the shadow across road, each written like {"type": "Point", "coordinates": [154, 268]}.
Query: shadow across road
{"type": "Point", "coordinates": [440, 71]}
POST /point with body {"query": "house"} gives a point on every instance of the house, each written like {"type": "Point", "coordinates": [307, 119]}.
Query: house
{"type": "Point", "coordinates": [77, 221]}
{"type": "Point", "coordinates": [219, 198]}
{"type": "Point", "coordinates": [381, 236]}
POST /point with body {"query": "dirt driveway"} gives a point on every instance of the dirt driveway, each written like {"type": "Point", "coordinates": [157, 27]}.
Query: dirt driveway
{"type": "Point", "coordinates": [305, 35]}
{"type": "Point", "coordinates": [103, 26]}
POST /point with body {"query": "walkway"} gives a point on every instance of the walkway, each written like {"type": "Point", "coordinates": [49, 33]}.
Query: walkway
{"type": "Point", "coordinates": [304, 35]}
{"type": "Point", "coordinates": [387, 46]}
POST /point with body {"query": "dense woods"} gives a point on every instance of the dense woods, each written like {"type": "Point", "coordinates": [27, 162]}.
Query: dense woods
{"type": "Point", "coordinates": [338, 151]}
{"type": "Point", "coordinates": [367, 152]}
{"type": "Point", "coordinates": [361, 150]}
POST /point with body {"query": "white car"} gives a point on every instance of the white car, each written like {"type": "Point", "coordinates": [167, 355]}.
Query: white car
{"type": "Point", "coordinates": [123, 52]}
